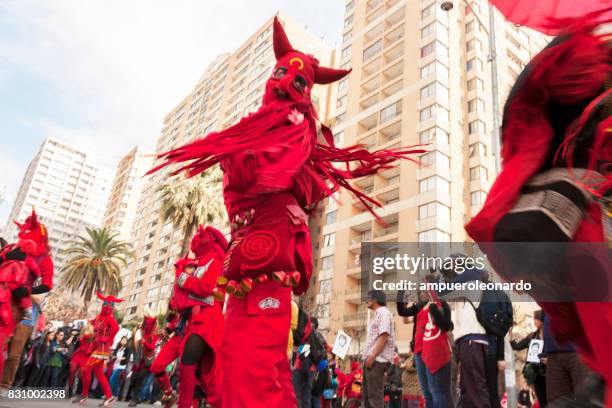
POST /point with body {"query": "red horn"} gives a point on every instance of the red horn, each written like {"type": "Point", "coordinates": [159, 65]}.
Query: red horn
{"type": "Point", "coordinates": [279, 40]}
{"type": "Point", "coordinates": [325, 75]}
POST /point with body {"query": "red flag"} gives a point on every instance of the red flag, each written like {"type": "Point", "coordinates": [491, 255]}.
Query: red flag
{"type": "Point", "coordinates": [550, 16]}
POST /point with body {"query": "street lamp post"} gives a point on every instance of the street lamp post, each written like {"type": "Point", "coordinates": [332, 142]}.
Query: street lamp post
{"type": "Point", "coordinates": [447, 5]}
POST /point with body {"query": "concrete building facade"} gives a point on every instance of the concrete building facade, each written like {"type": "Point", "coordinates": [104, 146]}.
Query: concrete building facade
{"type": "Point", "coordinates": [124, 197]}
{"type": "Point", "coordinates": [420, 75]}
{"type": "Point", "coordinates": [69, 192]}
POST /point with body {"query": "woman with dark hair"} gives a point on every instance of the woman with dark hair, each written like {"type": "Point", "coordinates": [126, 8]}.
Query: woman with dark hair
{"type": "Point", "coordinates": [120, 357]}
{"type": "Point", "coordinates": [57, 352]}
{"type": "Point", "coordinates": [40, 356]}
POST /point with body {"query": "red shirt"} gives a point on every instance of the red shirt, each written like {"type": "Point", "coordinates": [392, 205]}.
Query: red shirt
{"type": "Point", "coordinates": [421, 321]}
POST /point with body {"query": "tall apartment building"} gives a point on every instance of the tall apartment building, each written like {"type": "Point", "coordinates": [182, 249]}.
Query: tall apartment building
{"type": "Point", "coordinates": [231, 87]}
{"type": "Point", "coordinates": [125, 194]}
{"type": "Point", "coordinates": [68, 190]}
{"type": "Point", "coordinates": [420, 75]}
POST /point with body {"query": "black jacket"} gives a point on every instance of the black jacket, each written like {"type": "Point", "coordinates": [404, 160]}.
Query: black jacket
{"type": "Point", "coordinates": [126, 355]}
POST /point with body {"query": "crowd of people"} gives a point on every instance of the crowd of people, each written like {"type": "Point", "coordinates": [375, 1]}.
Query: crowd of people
{"type": "Point", "coordinates": [233, 337]}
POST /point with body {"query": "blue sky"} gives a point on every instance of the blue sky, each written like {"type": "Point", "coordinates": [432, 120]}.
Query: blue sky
{"type": "Point", "coordinates": [101, 74]}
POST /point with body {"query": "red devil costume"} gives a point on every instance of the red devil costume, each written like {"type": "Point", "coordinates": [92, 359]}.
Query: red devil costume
{"type": "Point", "coordinates": [196, 323]}
{"type": "Point", "coordinates": [555, 183]}
{"type": "Point", "coordinates": [275, 169]}
{"type": "Point", "coordinates": [79, 359]}
{"type": "Point", "coordinates": [105, 328]}
{"type": "Point", "coordinates": [25, 268]}
{"type": "Point", "coordinates": [144, 356]}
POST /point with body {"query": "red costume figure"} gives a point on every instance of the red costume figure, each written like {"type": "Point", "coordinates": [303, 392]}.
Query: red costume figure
{"type": "Point", "coordinates": [196, 323]}
{"type": "Point", "coordinates": [144, 357]}
{"type": "Point", "coordinates": [79, 359]}
{"type": "Point", "coordinates": [25, 268]}
{"type": "Point", "coordinates": [275, 169]}
{"type": "Point", "coordinates": [105, 328]}
{"type": "Point", "coordinates": [555, 185]}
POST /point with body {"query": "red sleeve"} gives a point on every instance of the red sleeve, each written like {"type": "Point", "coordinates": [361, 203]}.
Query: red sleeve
{"type": "Point", "coordinates": [46, 271]}
{"type": "Point", "coordinates": [150, 345]}
{"type": "Point", "coordinates": [203, 280]}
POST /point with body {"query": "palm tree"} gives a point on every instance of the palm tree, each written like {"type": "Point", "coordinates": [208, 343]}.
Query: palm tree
{"type": "Point", "coordinates": [95, 264]}
{"type": "Point", "coordinates": [190, 202]}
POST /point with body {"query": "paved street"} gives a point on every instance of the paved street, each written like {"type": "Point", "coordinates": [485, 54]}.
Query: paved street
{"type": "Point", "coordinates": [59, 403]}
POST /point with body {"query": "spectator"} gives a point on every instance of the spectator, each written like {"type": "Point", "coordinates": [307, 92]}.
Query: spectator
{"type": "Point", "coordinates": [379, 350]}
{"type": "Point", "coordinates": [304, 367]}
{"type": "Point", "coordinates": [565, 372]}
{"type": "Point", "coordinates": [432, 351]}
{"type": "Point", "coordinates": [471, 340]}
{"type": "Point", "coordinates": [524, 397]}
{"type": "Point", "coordinates": [56, 360]}
{"type": "Point", "coordinates": [534, 373]}
{"type": "Point", "coordinates": [40, 356]}
{"type": "Point", "coordinates": [352, 383]}
{"type": "Point", "coordinates": [120, 357]}
{"type": "Point", "coordinates": [411, 393]}
{"type": "Point", "coordinates": [394, 383]}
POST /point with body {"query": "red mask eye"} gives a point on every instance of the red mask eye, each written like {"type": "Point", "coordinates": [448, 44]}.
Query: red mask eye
{"type": "Point", "coordinates": [279, 72]}
{"type": "Point", "coordinates": [299, 83]}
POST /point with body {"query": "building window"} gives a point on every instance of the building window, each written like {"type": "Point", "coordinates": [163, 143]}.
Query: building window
{"type": "Point", "coordinates": [340, 102]}
{"type": "Point", "coordinates": [330, 217]}
{"type": "Point", "coordinates": [390, 111]}
{"type": "Point", "coordinates": [476, 105]}
{"type": "Point", "coordinates": [430, 135]}
{"type": "Point", "coordinates": [372, 50]}
{"type": "Point", "coordinates": [428, 11]}
{"type": "Point", "coordinates": [435, 209]}
{"type": "Point", "coordinates": [428, 30]}
{"type": "Point", "coordinates": [342, 85]}
{"type": "Point", "coordinates": [477, 126]}
{"type": "Point", "coordinates": [429, 90]}
{"type": "Point", "coordinates": [428, 49]}
{"type": "Point", "coordinates": [473, 44]}
{"type": "Point", "coordinates": [479, 173]}
{"type": "Point", "coordinates": [477, 149]}
{"type": "Point", "coordinates": [434, 183]}
{"type": "Point", "coordinates": [434, 235]}
{"type": "Point", "coordinates": [329, 240]}
{"type": "Point", "coordinates": [346, 52]}
{"type": "Point", "coordinates": [428, 69]}
{"type": "Point", "coordinates": [325, 286]}
{"type": "Point", "coordinates": [348, 21]}
{"type": "Point", "coordinates": [469, 27]}
{"type": "Point", "coordinates": [327, 263]}
{"type": "Point", "coordinates": [347, 37]}
{"type": "Point", "coordinates": [435, 157]}
{"type": "Point", "coordinates": [478, 197]}
{"type": "Point", "coordinates": [436, 112]}
{"type": "Point", "coordinates": [475, 83]}
{"type": "Point", "coordinates": [473, 63]}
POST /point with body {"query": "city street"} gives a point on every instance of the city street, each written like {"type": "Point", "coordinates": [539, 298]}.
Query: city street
{"type": "Point", "coordinates": [57, 403]}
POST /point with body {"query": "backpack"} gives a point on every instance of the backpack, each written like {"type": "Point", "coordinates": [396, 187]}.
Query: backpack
{"type": "Point", "coordinates": [494, 312]}
{"type": "Point", "coordinates": [317, 347]}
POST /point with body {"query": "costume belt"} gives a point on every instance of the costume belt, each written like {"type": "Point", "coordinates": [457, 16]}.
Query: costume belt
{"type": "Point", "coordinates": [242, 288]}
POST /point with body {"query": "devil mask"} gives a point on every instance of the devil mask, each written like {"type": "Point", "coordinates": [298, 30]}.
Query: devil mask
{"type": "Point", "coordinates": [34, 231]}
{"type": "Point", "coordinates": [207, 239]}
{"type": "Point", "coordinates": [295, 72]}
{"type": "Point", "coordinates": [108, 304]}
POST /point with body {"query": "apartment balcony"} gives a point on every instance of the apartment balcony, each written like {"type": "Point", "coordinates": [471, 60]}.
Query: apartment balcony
{"type": "Point", "coordinates": [353, 295]}
{"type": "Point", "coordinates": [355, 320]}
{"type": "Point", "coordinates": [374, 9]}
